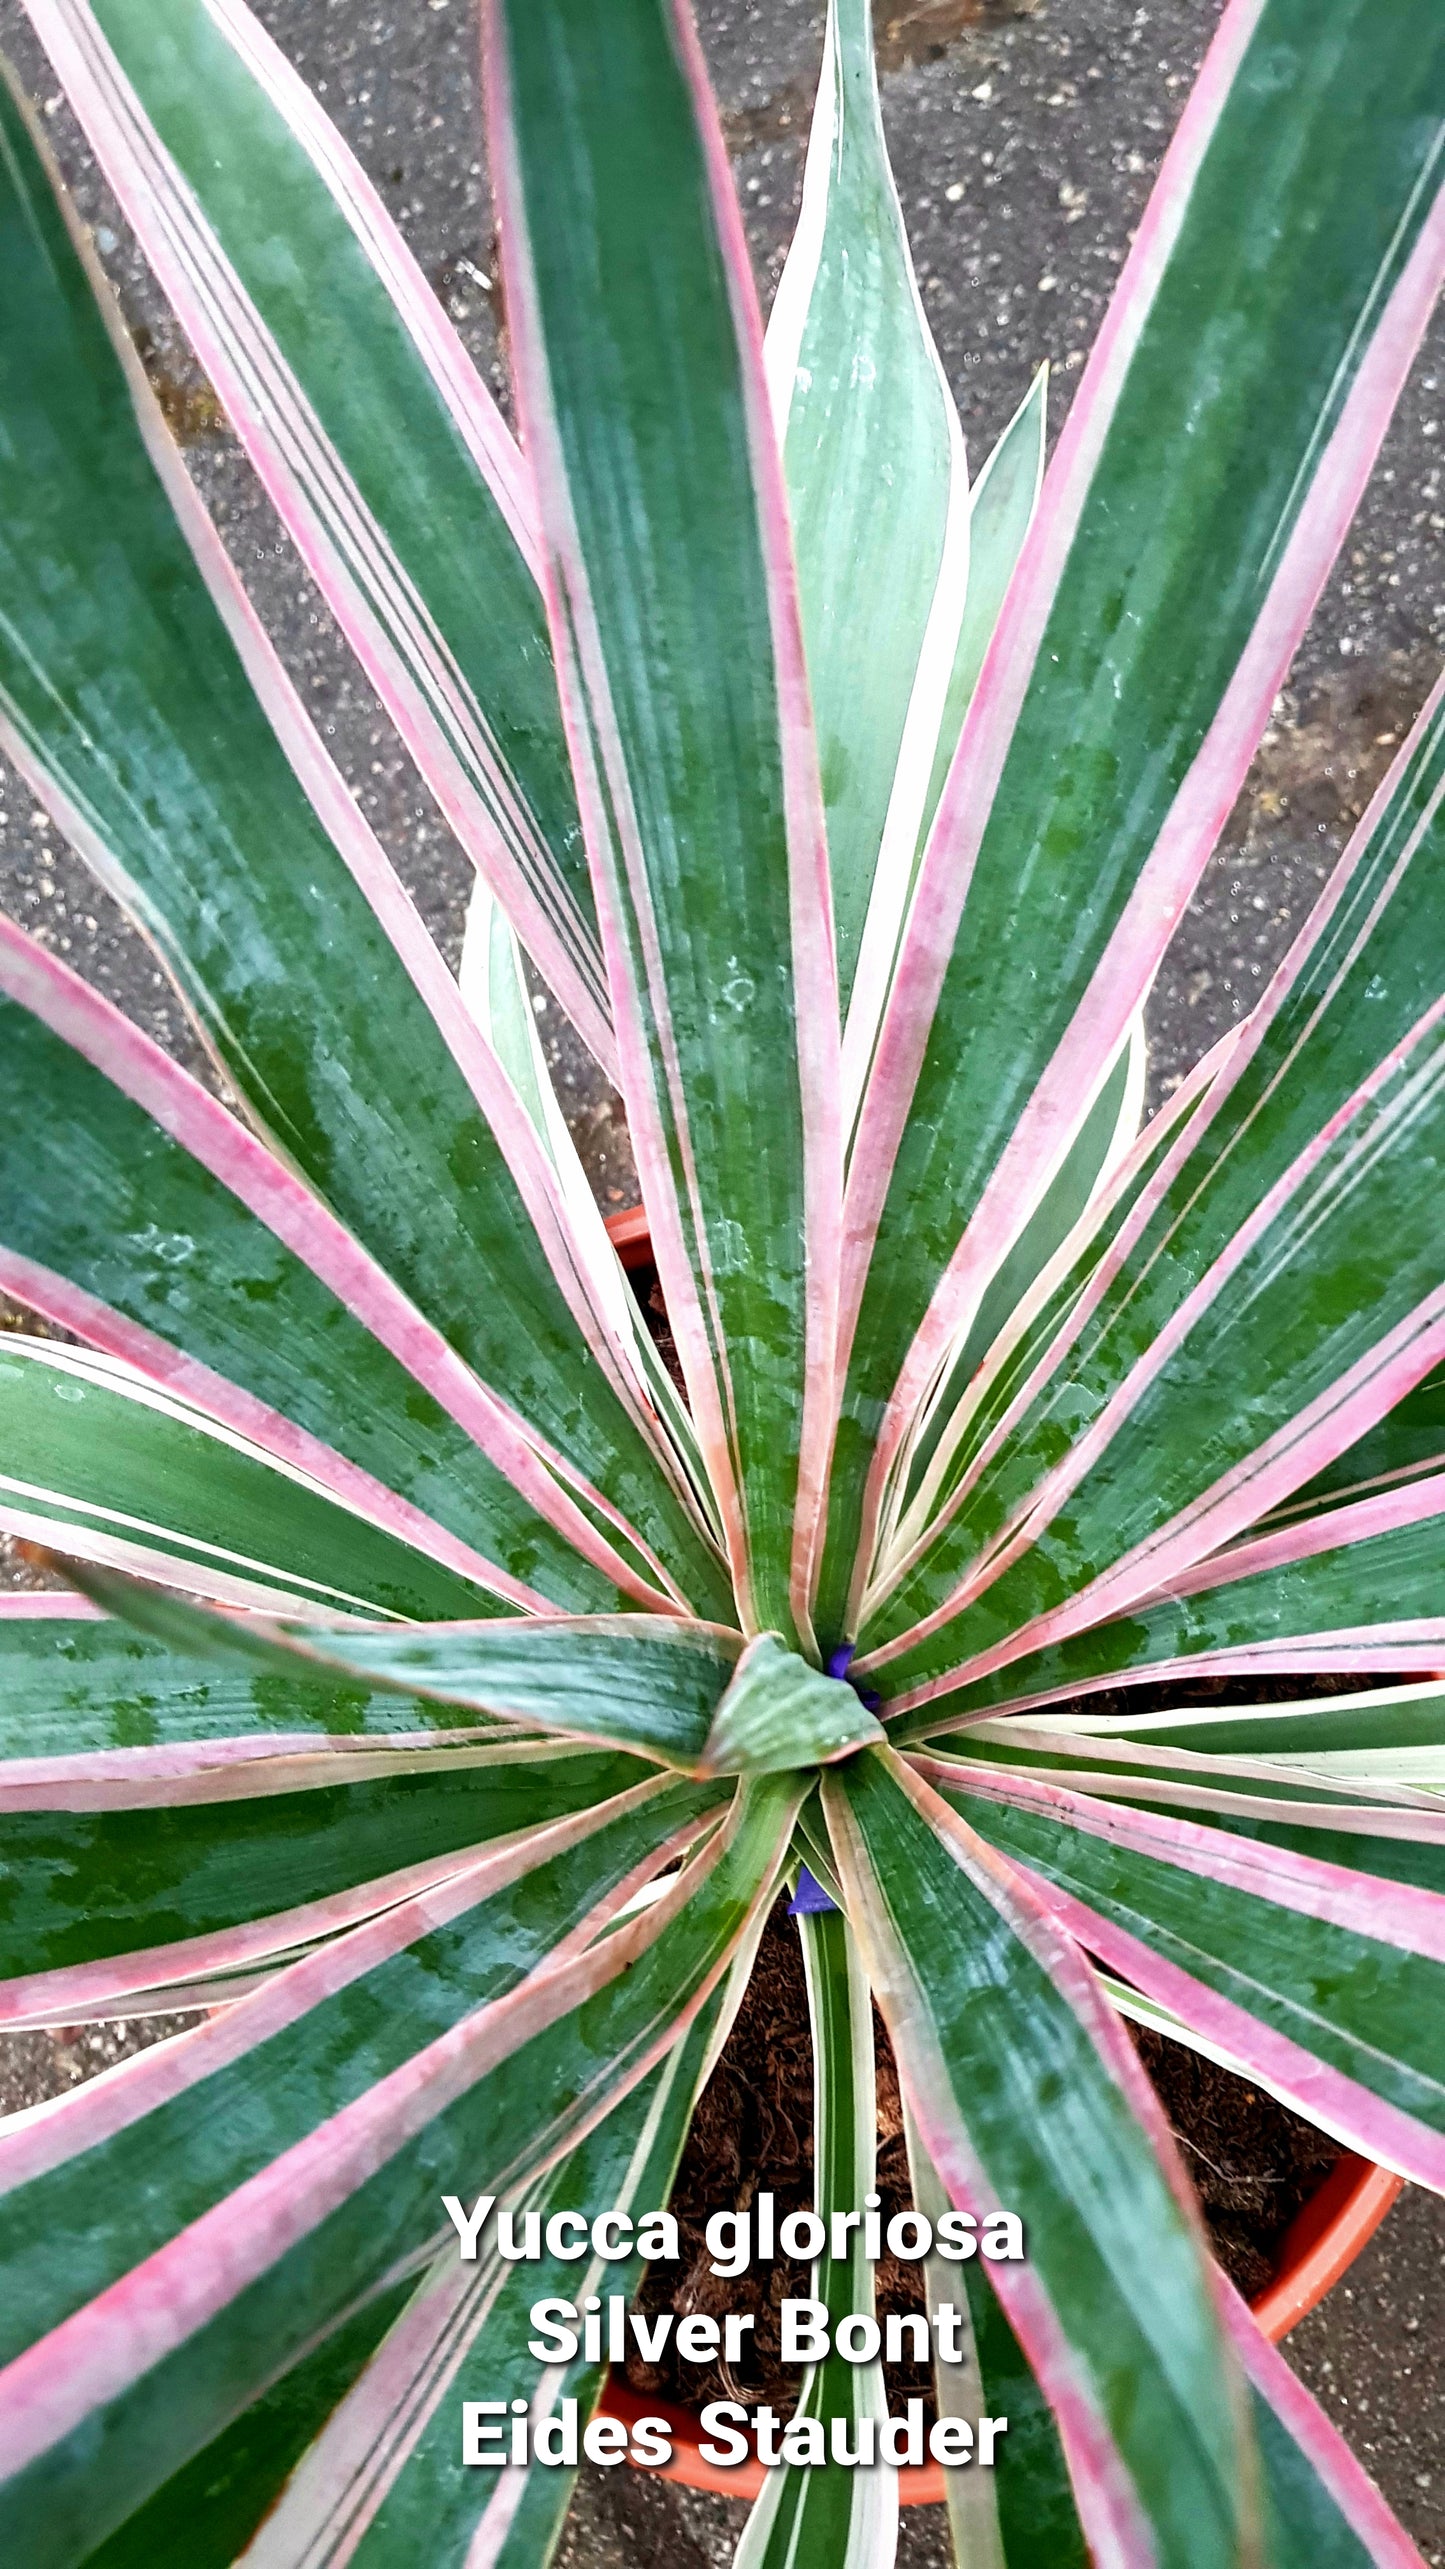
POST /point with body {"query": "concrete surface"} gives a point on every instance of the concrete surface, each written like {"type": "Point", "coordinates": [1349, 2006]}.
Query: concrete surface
{"type": "Point", "coordinates": [1025, 139]}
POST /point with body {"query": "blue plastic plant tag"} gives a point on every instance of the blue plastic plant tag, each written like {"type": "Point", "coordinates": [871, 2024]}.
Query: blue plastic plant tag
{"type": "Point", "coordinates": [810, 1898]}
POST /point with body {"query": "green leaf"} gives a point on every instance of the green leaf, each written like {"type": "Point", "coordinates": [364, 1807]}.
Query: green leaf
{"type": "Point", "coordinates": [1406, 1443]}
{"type": "Point", "coordinates": [494, 987]}
{"type": "Point", "coordinates": [778, 1713]}
{"type": "Point", "coordinates": [1020, 2516]}
{"type": "Point", "coordinates": [1258, 299]}
{"type": "Point", "coordinates": [432, 2507]}
{"type": "Point", "coordinates": [839, 2518]}
{"type": "Point", "coordinates": [1362, 2005]}
{"type": "Point", "coordinates": [129, 697]}
{"type": "Point", "coordinates": [95, 1191]}
{"type": "Point", "coordinates": [99, 1461]}
{"type": "Point", "coordinates": [1001, 508]}
{"type": "Point", "coordinates": [1108, 1129]}
{"type": "Point", "coordinates": [1027, 2094]}
{"type": "Point", "coordinates": [877, 488]}
{"type": "Point", "coordinates": [209, 2511]}
{"type": "Point", "coordinates": [78, 1885]}
{"type": "Point", "coordinates": [633, 321]}
{"type": "Point", "coordinates": [285, 2062]}
{"type": "Point", "coordinates": [1318, 2505]}
{"type": "Point", "coordinates": [1321, 2512]}
{"type": "Point", "coordinates": [495, 2087]}
{"type": "Point", "coordinates": [1290, 1244]}
{"type": "Point", "coordinates": [283, 263]}
{"type": "Point", "coordinates": [635, 1681]}
{"type": "Point", "coordinates": [1375, 1733]}
{"type": "Point", "coordinates": [1375, 1594]}
{"type": "Point", "coordinates": [70, 1685]}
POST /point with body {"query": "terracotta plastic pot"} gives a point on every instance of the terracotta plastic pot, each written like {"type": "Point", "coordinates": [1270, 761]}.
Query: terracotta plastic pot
{"type": "Point", "coordinates": [1319, 2244]}
{"type": "Point", "coordinates": [630, 1237]}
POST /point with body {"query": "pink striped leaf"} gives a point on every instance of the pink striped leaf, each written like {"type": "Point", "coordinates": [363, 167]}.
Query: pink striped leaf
{"type": "Point", "coordinates": [382, 2477]}
{"type": "Point", "coordinates": [1407, 1444]}
{"type": "Point", "coordinates": [1303, 1158]}
{"type": "Point", "coordinates": [687, 1693]}
{"type": "Point", "coordinates": [1331, 1983]}
{"type": "Point", "coordinates": [94, 1458]}
{"type": "Point", "coordinates": [1376, 1732]}
{"type": "Point", "coordinates": [244, 1167]}
{"type": "Point", "coordinates": [960, 1428]}
{"type": "Point", "coordinates": [1323, 2510]}
{"type": "Point", "coordinates": [1000, 507]}
{"type": "Point", "coordinates": [219, 153]}
{"type": "Point", "coordinates": [292, 2216]}
{"type": "Point", "coordinates": [248, 865]}
{"type": "Point", "coordinates": [131, 1204]}
{"type": "Point", "coordinates": [1039, 1281]}
{"type": "Point", "coordinates": [240, 1770]}
{"type": "Point", "coordinates": [1026, 2091]}
{"type": "Point", "coordinates": [1344, 1792]}
{"type": "Point", "coordinates": [1357, 1588]}
{"type": "Point", "coordinates": [494, 986]}
{"type": "Point", "coordinates": [833, 2513]}
{"type": "Point", "coordinates": [1217, 447]}
{"type": "Point", "coordinates": [78, 1691]}
{"type": "Point", "coordinates": [676, 632]}
{"type": "Point", "coordinates": [1010, 2518]}
{"type": "Point", "coordinates": [138, 1892]}
{"type": "Point", "coordinates": [235, 2478]}
{"type": "Point", "coordinates": [215, 1971]}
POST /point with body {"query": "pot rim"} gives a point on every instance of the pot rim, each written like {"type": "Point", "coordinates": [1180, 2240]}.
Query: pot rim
{"type": "Point", "coordinates": [1325, 2237]}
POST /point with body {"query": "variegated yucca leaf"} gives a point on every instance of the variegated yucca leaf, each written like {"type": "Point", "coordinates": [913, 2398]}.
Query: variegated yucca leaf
{"type": "Point", "coordinates": [441, 1692]}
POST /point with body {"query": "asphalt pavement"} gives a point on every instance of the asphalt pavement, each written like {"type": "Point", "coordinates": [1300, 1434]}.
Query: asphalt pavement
{"type": "Point", "coordinates": [1025, 140]}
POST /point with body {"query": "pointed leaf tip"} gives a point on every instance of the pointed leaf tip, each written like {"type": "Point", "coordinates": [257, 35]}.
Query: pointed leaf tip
{"type": "Point", "coordinates": [779, 1713]}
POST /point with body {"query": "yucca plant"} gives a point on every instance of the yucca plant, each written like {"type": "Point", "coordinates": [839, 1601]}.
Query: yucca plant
{"type": "Point", "coordinates": [443, 1699]}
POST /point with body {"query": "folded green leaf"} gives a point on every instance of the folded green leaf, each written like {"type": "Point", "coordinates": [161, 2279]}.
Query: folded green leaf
{"type": "Point", "coordinates": [73, 1682]}
{"type": "Point", "coordinates": [779, 1713]}
{"type": "Point", "coordinates": [494, 987]}
{"type": "Point", "coordinates": [634, 1681]}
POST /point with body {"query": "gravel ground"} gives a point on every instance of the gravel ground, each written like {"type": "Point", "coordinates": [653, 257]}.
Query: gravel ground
{"type": "Point", "coordinates": [1025, 139]}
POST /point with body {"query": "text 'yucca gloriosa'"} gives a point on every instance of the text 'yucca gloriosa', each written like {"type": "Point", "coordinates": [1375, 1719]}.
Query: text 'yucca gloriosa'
{"type": "Point", "coordinates": [422, 1632]}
